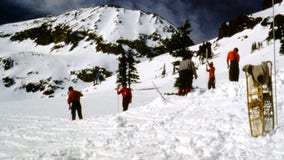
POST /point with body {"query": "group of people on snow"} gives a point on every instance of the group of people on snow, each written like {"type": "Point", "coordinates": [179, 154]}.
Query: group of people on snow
{"type": "Point", "coordinates": [187, 71]}
{"type": "Point", "coordinates": [74, 103]}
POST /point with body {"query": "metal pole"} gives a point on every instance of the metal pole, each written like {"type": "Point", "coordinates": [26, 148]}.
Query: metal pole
{"type": "Point", "coordinates": [117, 103]}
{"type": "Point", "coordinates": [207, 77]}
{"type": "Point", "coordinates": [159, 92]}
{"type": "Point", "coordinates": [275, 63]}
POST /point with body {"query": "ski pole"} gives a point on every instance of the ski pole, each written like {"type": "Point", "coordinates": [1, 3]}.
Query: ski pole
{"type": "Point", "coordinates": [117, 103]}
{"type": "Point", "coordinates": [159, 91]}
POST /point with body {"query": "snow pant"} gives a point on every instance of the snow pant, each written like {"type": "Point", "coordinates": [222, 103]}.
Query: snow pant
{"type": "Point", "coordinates": [234, 71]}
{"type": "Point", "coordinates": [125, 103]}
{"type": "Point", "coordinates": [211, 83]}
{"type": "Point", "coordinates": [76, 106]}
{"type": "Point", "coordinates": [186, 77]}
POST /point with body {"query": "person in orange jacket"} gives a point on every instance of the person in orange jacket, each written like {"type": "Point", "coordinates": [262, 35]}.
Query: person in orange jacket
{"type": "Point", "coordinates": [211, 70]}
{"type": "Point", "coordinates": [74, 103]}
{"type": "Point", "coordinates": [126, 96]}
{"type": "Point", "coordinates": [233, 59]}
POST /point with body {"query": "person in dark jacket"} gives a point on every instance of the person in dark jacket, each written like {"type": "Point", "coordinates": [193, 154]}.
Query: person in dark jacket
{"type": "Point", "coordinates": [211, 70]}
{"type": "Point", "coordinates": [126, 96]}
{"type": "Point", "coordinates": [233, 59]}
{"type": "Point", "coordinates": [74, 103]}
{"type": "Point", "coordinates": [186, 72]}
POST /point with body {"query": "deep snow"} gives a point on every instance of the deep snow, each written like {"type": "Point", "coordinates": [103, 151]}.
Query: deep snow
{"type": "Point", "coordinates": [206, 124]}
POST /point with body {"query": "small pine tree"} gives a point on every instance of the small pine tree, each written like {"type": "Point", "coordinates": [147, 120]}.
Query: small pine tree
{"type": "Point", "coordinates": [179, 40]}
{"type": "Point", "coordinates": [122, 69]}
{"type": "Point", "coordinates": [256, 46]}
{"type": "Point", "coordinates": [282, 47]}
{"type": "Point", "coordinates": [253, 47]}
{"type": "Point", "coordinates": [259, 45]}
{"type": "Point", "coordinates": [164, 71]}
{"type": "Point", "coordinates": [127, 73]}
{"type": "Point", "coordinates": [133, 76]}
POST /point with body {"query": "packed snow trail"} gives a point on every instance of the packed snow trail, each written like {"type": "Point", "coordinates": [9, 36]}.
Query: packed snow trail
{"type": "Point", "coordinates": [203, 125]}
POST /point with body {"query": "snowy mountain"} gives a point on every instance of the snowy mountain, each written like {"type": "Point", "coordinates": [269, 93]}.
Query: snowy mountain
{"type": "Point", "coordinates": [82, 42]}
{"type": "Point", "coordinates": [110, 23]}
{"type": "Point", "coordinates": [206, 124]}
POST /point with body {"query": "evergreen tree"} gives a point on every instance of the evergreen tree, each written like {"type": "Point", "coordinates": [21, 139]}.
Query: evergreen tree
{"type": "Point", "coordinates": [127, 73]}
{"type": "Point", "coordinates": [132, 76]}
{"type": "Point", "coordinates": [268, 3]}
{"type": "Point", "coordinates": [180, 40]}
{"type": "Point", "coordinates": [282, 47]}
{"type": "Point", "coordinates": [253, 47]}
{"type": "Point", "coordinates": [122, 69]}
{"type": "Point", "coordinates": [184, 35]}
{"type": "Point", "coordinates": [164, 71]}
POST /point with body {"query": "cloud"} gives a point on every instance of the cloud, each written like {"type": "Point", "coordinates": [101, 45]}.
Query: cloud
{"type": "Point", "coordinates": [50, 6]}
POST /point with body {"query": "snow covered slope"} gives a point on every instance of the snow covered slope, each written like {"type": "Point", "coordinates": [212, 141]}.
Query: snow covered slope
{"type": "Point", "coordinates": [112, 23]}
{"type": "Point", "coordinates": [206, 124]}
{"type": "Point", "coordinates": [44, 65]}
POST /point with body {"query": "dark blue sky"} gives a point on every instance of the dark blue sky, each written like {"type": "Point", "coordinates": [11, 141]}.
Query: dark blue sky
{"type": "Point", "coordinates": [205, 15]}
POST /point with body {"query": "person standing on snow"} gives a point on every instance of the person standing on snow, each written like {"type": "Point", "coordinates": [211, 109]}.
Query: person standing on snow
{"type": "Point", "coordinates": [186, 73]}
{"type": "Point", "coordinates": [74, 103]}
{"type": "Point", "coordinates": [211, 70]}
{"type": "Point", "coordinates": [97, 79]}
{"type": "Point", "coordinates": [126, 96]}
{"type": "Point", "coordinates": [233, 59]}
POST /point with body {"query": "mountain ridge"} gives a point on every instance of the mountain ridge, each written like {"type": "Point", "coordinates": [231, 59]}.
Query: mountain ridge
{"type": "Point", "coordinates": [98, 25]}
{"type": "Point", "coordinates": [33, 68]}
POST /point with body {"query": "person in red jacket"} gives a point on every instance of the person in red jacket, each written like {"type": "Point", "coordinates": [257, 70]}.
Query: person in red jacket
{"type": "Point", "coordinates": [211, 70]}
{"type": "Point", "coordinates": [126, 96]}
{"type": "Point", "coordinates": [233, 59]}
{"type": "Point", "coordinates": [74, 103]}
